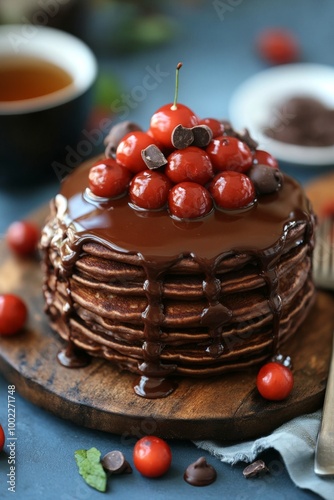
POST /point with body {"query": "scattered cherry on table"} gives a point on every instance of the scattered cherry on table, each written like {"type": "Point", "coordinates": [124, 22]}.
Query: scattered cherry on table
{"type": "Point", "coordinates": [275, 381]}
{"type": "Point", "coordinates": [22, 237]}
{"type": "Point", "coordinates": [2, 438]}
{"type": "Point", "coordinates": [13, 314]}
{"type": "Point", "coordinates": [152, 456]}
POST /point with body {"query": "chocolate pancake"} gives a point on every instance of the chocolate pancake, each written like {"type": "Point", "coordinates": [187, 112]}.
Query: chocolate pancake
{"type": "Point", "coordinates": [162, 297]}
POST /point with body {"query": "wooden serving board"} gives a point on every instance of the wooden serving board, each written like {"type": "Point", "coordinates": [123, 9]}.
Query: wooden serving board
{"type": "Point", "coordinates": [100, 396]}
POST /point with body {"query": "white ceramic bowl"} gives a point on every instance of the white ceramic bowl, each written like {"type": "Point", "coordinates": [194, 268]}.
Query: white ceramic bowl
{"type": "Point", "coordinates": [254, 102]}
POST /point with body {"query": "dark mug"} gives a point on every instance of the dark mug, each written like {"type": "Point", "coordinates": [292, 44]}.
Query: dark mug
{"type": "Point", "coordinates": [38, 123]}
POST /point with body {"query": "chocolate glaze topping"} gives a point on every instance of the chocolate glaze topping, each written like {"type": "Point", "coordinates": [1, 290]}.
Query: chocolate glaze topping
{"type": "Point", "coordinates": [159, 242]}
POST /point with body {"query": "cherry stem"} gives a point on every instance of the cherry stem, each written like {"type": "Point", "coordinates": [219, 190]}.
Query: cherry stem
{"type": "Point", "coordinates": [178, 67]}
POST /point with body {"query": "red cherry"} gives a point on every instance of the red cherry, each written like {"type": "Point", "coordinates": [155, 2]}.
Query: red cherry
{"type": "Point", "coordinates": [232, 190]}
{"type": "Point", "coordinates": [275, 381]}
{"type": "Point", "coordinates": [128, 152]}
{"type": "Point", "coordinates": [263, 158]}
{"type": "Point", "coordinates": [149, 190]}
{"type": "Point", "coordinates": [2, 438]}
{"type": "Point", "coordinates": [229, 153]}
{"type": "Point", "coordinates": [189, 164]}
{"type": "Point", "coordinates": [216, 126]}
{"type": "Point", "coordinates": [278, 46]}
{"type": "Point", "coordinates": [22, 237]}
{"type": "Point", "coordinates": [152, 456]}
{"type": "Point", "coordinates": [13, 314]}
{"type": "Point", "coordinates": [156, 142]}
{"type": "Point", "coordinates": [108, 179]}
{"type": "Point", "coordinates": [189, 200]}
{"type": "Point", "coordinates": [166, 118]}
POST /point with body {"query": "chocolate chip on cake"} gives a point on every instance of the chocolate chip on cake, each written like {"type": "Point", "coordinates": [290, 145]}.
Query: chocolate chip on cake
{"type": "Point", "coordinates": [153, 157]}
{"type": "Point", "coordinates": [182, 137]}
{"type": "Point", "coordinates": [116, 134]}
{"type": "Point", "coordinates": [265, 179]}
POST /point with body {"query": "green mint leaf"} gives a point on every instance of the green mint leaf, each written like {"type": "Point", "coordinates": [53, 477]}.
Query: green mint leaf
{"type": "Point", "coordinates": [90, 468]}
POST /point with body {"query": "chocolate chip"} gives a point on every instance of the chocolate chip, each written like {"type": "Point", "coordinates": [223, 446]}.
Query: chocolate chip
{"type": "Point", "coordinates": [200, 473]}
{"type": "Point", "coordinates": [116, 134]}
{"type": "Point", "coordinates": [153, 157]}
{"type": "Point", "coordinates": [255, 469]}
{"type": "Point", "coordinates": [202, 135]}
{"type": "Point", "coordinates": [246, 137]}
{"type": "Point", "coordinates": [265, 179]}
{"type": "Point", "coordinates": [114, 462]}
{"type": "Point", "coordinates": [182, 137]}
{"type": "Point", "coordinates": [228, 129]}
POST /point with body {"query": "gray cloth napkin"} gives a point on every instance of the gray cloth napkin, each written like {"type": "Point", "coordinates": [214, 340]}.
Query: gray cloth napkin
{"type": "Point", "coordinates": [295, 441]}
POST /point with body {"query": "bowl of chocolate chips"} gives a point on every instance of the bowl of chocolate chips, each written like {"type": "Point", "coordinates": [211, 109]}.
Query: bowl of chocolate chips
{"type": "Point", "coordinates": [289, 110]}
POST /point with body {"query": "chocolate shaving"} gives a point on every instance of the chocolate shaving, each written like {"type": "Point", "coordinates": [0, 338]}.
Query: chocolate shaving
{"type": "Point", "coordinates": [182, 137]}
{"type": "Point", "coordinates": [228, 129]}
{"type": "Point", "coordinates": [115, 136]}
{"type": "Point", "coordinates": [153, 157]}
{"type": "Point", "coordinates": [202, 135]}
{"type": "Point", "coordinates": [255, 469]}
{"type": "Point", "coordinates": [246, 137]}
{"type": "Point", "coordinates": [114, 463]}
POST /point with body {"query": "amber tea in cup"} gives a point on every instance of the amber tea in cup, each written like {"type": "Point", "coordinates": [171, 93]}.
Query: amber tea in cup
{"type": "Point", "coordinates": [30, 77]}
{"type": "Point", "coordinates": [46, 88]}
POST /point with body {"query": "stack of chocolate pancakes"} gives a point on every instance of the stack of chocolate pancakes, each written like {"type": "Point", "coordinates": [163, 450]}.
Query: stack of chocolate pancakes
{"type": "Point", "coordinates": [166, 298]}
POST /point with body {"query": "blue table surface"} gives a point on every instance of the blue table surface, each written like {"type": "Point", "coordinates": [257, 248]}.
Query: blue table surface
{"type": "Point", "coordinates": [218, 54]}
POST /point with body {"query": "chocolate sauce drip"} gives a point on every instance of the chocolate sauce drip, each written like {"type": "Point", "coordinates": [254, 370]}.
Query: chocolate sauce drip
{"type": "Point", "coordinates": [215, 315]}
{"type": "Point", "coordinates": [152, 383]}
{"type": "Point", "coordinates": [72, 357]}
{"type": "Point", "coordinates": [267, 261]}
